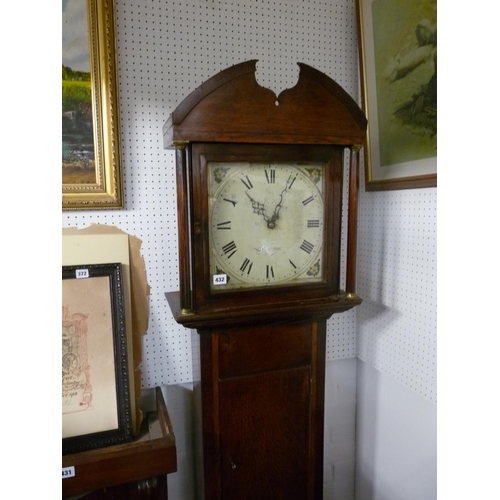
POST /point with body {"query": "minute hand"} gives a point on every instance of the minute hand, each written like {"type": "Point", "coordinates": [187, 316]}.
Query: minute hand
{"type": "Point", "coordinates": [277, 209]}
{"type": "Point", "coordinates": [276, 214]}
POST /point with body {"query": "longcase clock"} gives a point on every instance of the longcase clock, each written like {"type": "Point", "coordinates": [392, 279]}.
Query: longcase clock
{"type": "Point", "coordinates": [259, 204]}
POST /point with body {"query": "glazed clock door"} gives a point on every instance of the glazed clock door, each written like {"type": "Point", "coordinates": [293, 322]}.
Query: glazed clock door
{"type": "Point", "coordinates": [267, 224]}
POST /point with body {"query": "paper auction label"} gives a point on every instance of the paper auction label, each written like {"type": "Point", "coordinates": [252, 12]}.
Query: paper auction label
{"type": "Point", "coordinates": [68, 472]}
{"type": "Point", "coordinates": [220, 279]}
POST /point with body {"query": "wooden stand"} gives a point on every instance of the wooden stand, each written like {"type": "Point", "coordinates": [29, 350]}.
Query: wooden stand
{"type": "Point", "coordinates": [129, 471]}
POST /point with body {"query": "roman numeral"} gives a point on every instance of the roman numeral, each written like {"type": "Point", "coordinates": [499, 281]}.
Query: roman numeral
{"type": "Point", "coordinates": [313, 223]}
{"type": "Point", "coordinates": [229, 249]}
{"type": "Point", "coordinates": [270, 176]}
{"type": "Point", "coordinates": [289, 183]}
{"type": "Point", "coordinates": [248, 184]}
{"type": "Point", "coordinates": [269, 272]}
{"type": "Point", "coordinates": [246, 264]}
{"type": "Point", "coordinates": [293, 265]}
{"type": "Point", "coordinates": [230, 201]}
{"type": "Point", "coordinates": [224, 225]}
{"type": "Point", "coordinates": [306, 246]}
{"type": "Point", "coordinates": [308, 200]}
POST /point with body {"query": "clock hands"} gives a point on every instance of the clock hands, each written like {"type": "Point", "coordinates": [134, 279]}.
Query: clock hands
{"type": "Point", "coordinates": [277, 209]}
{"type": "Point", "coordinates": [258, 208]}
{"type": "Point", "coordinates": [276, 214]}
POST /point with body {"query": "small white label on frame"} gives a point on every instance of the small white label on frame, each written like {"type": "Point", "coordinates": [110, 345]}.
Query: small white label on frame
{"type": "Point", "coordinates": [220, 279]}
{"type": "Point", "coordinates": [68, 472]}
{"type": "Point", "coordinates": [81, 273]}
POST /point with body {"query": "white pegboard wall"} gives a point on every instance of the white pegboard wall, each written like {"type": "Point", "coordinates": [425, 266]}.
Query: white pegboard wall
{"type": "Point", "coordinates": [396, 323]}
{"type": "Point", "coordinates": [165, 50]}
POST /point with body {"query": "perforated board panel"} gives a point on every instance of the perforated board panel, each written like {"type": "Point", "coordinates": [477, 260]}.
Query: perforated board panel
{"type": "Point", "coordinates": [396, 324]}
{"type": "Point", "coordinates": [165, 50]}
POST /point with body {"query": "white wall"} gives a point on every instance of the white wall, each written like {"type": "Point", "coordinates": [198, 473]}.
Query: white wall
{"type": "Point", "coordinates": [396, 346]}
{"type": "Point", "coordinates": [396, 435]}
{"type": "Point", "coordinates": [339, 465]}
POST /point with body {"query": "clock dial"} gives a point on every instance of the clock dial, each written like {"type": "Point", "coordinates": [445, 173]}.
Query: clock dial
{"type": "Point", "coordinates": [266, 224]}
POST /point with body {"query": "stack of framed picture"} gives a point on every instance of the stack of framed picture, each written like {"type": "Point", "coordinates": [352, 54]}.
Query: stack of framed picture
{"type": "Point", "coordinates": [105, 313]}
{"type": "Point", "coordinates": [96, 402]}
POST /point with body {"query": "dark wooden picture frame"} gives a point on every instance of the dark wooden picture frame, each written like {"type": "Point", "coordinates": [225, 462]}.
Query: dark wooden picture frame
{"type": "Point", "coordinates": [96, 405]}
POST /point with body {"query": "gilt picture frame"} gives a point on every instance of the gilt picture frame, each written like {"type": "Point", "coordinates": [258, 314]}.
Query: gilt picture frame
{"type": "Point", "coordinates": [91, 153]}
{"type": "Point", "coordinates": [96, 405]}
{"type": "Point", "coordinates": [398, 73]}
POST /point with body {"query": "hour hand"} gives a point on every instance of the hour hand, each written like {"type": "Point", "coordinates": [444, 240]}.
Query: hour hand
{"type": "Point", "coordinates": [258, 208]}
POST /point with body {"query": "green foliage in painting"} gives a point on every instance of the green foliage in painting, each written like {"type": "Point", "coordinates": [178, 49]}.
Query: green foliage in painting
{"type": "Point", "coordinates": [76, 76]}
{"type": "Point", "coordinates": [77, 92]}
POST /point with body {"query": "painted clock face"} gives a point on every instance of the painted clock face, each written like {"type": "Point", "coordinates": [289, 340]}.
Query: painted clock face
{"type": "Point", "coordinates": [266, 224]}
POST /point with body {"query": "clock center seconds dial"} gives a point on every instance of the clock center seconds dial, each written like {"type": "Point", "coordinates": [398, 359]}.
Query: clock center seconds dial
{"type": "Point", "coordinates": [266, 222]}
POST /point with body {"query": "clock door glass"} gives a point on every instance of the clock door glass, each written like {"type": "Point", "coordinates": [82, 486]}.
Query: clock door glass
{"type": "Point", "coordinates": [266, 224]}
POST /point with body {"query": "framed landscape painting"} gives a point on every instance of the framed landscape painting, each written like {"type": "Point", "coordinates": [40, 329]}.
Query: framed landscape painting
{"type": "Point", "coordinates": [91, 163]}
{"type": "Point", "coordinates": [398, 59]}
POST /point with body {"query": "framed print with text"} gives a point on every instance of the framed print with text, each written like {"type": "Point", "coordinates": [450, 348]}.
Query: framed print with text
{"type": "Point", "coordinates": [398, 59]}
{"type": "Point", "coordinates": [96, 406]}
{"type": "Point", "coordinates": [91, 163]}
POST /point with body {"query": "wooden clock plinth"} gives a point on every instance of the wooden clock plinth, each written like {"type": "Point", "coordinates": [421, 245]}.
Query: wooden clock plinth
{"type": "Point", "coordinates": [259, 196]}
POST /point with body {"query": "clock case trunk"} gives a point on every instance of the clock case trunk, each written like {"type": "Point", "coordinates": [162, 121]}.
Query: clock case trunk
{"type": "Point", "coordinates": [260, 411]}
{"type": "Point", "coordinates": [261, 352]}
